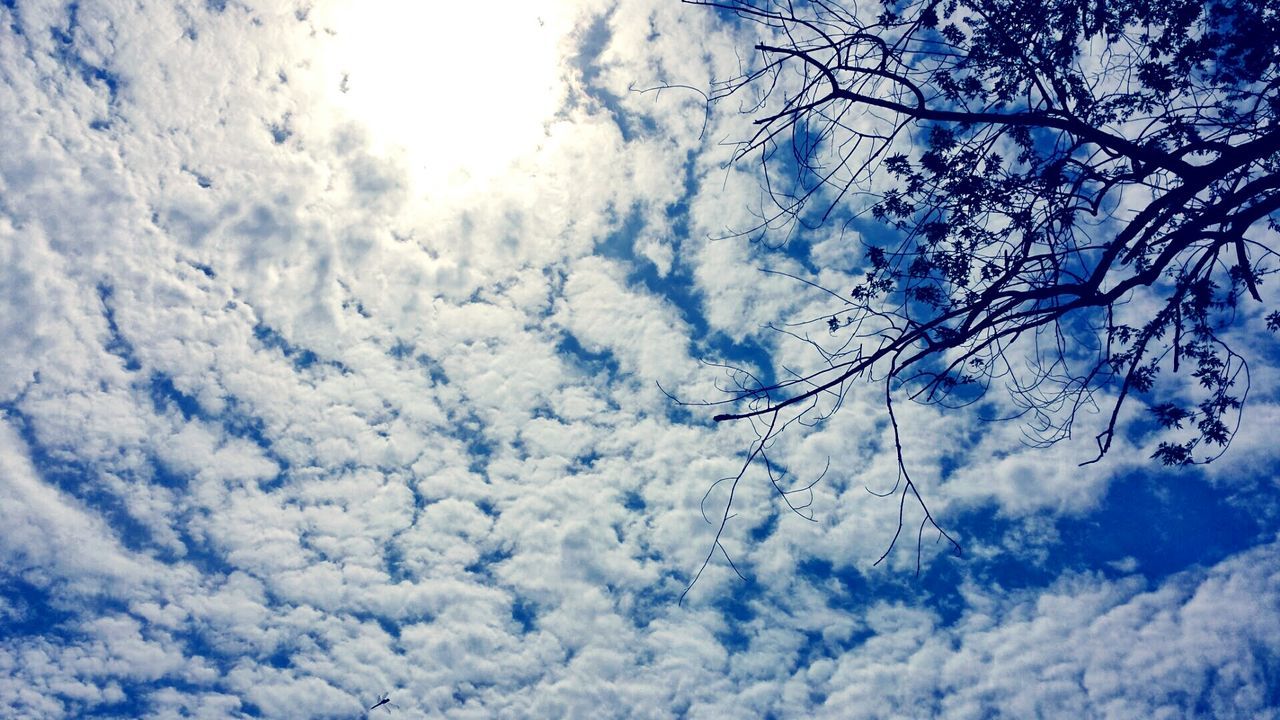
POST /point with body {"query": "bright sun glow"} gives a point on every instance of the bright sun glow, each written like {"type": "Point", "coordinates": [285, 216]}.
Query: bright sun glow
{"type": "Point", "coordinates": [459, 90]}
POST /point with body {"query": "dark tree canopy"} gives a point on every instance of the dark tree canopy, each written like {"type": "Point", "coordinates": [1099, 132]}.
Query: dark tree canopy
{"type": "Point", "coordinates": [1080, 199]}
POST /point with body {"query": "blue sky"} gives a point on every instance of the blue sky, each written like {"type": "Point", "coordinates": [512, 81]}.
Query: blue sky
{"type": "Point", "coordinates": [322, 377]}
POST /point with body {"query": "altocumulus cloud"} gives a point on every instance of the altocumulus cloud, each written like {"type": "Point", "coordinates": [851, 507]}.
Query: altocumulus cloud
{"type": "Point", "coordinates": [285, 426]}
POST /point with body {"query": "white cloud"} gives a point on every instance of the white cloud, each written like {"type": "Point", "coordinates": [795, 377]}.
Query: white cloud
{"type": "Point", "coordinates": [53, 536]}
{"type": "Point", "coordinates": [281, 433]}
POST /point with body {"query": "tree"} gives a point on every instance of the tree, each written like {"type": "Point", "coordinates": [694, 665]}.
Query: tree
{"type": "Point", "coordinates": [1079, 197]}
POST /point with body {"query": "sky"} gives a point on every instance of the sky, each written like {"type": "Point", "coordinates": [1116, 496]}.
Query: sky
{"type": "Point", "coordinates": [335, 352]}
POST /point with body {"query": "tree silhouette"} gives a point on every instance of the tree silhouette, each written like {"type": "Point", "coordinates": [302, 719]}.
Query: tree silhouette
{"type": "Point", "coordinates": [1077, 197]}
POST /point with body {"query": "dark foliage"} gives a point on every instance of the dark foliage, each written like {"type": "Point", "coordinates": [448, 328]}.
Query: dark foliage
{"type": "Point", "coordinates": [1078, 194]}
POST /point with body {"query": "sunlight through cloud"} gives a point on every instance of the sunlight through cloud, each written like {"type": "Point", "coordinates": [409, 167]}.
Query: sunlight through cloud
{"type": "Point", "coordinates": [458, 91]}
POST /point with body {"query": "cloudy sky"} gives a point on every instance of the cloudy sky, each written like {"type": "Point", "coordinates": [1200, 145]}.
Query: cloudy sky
{"type": "Point", "coordinates": [333, 349]}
